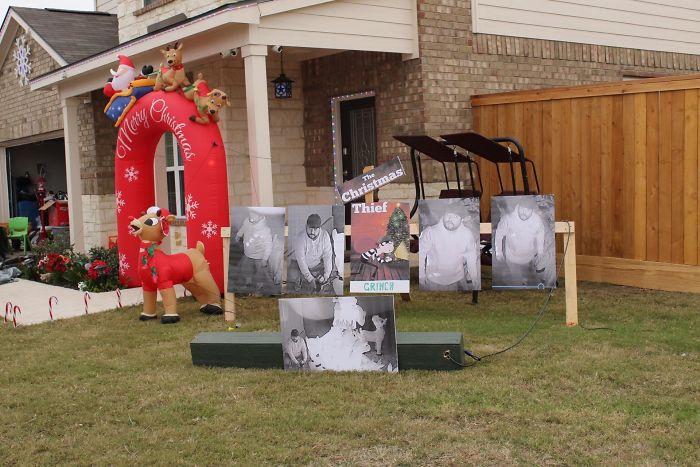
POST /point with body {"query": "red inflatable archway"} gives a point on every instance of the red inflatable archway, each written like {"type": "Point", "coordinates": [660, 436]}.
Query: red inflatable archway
{"type": "Point", "coordinates": [206, 186]}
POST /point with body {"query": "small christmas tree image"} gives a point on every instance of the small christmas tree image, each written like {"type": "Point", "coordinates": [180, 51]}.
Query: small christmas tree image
{"type": "Point", "coordinates": [397, 230]}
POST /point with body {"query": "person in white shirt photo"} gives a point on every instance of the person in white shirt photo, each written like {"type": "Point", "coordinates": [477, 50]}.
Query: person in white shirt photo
{"type": "Point", "coordinates": [449, 253]}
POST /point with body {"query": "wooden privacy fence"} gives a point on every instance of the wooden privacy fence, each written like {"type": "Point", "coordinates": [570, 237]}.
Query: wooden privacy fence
{"type": "Point", "coordinates": [622, 162]}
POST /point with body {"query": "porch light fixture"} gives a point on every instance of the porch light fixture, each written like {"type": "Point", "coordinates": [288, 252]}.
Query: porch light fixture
{"type": "Point", "coordinates": [283, 85]}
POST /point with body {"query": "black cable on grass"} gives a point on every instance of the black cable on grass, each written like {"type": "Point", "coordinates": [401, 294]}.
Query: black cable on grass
{"type": "Point", "coordinates": [600, 328]}
{"type": "Point", "coordinates": [543, 308]}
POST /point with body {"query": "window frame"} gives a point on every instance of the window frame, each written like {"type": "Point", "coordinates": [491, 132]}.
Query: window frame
{"type": "Point", "coordinates": [172, 150]}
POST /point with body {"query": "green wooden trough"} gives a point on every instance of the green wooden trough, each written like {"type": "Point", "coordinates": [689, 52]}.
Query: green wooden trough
{"type": "Point", "coordinates": [417, 350]}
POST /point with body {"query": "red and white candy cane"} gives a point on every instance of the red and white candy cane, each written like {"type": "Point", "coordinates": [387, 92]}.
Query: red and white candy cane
{"type": "Point", "coordinates": [8, 310]}
{"type": "Point", "coordinates": [52, 300]}
{"type": "Point", "coordinates": [86, 300]}
{"type": "Point", "coordinates": [15, 309]}
{"type": "Point", "coordinates": [119, 298]}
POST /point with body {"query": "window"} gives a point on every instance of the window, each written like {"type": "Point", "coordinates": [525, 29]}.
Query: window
{"type": "Point", "coordinates": [175, 173]}
{"type": "Point", "coordinates": [148, 2]}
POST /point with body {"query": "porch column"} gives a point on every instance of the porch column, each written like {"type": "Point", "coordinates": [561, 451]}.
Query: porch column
{"type": "Point", "coordinates": [4, 188]}
{"type": "Point", "coordinates": [74, 186]}
{"type": "Point", "coordinates": [254, 59]}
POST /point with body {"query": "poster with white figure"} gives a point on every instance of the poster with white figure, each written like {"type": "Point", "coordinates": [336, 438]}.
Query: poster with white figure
{"type": "Point", "coordinates": [340, 334]}
{"type": "Point", "coordinates": [316, 249]}
{"type": "Point", "coordinates": [523, 250]}
{"type": "Point", "coordinates": [449, 251]}
{"type": "Point", "coordinates": [256, 252]}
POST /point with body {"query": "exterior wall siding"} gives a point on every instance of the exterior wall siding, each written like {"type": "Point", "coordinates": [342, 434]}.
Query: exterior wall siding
{"type": "Point", "coordinates": [27, 113]}
{"type": "Point", "coordinates": [670, 26]}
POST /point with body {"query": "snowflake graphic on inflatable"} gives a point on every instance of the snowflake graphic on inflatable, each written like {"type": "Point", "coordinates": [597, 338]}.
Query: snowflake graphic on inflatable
{"type": "Point", "coordinates": [123, 263]}
{"type": "Point", "coordinates": [22, 65]}
{"type": "Point", "coordinates": [120, 202]}
{"type": "Point", "coordinates": [209, 229]}
{"type": "Point", "coordinates": [190, 207]}
{"type": "Point", "coordinates": [131, 174]}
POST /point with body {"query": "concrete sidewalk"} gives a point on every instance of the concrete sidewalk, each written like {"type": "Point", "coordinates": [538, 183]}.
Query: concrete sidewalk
{"type": "Point", "coordinates": [33, 300]}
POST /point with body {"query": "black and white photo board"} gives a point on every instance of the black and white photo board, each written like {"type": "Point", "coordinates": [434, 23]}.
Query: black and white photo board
{"type": "Point", "coordinates": [256, 251]}
{"type": "Point", "coordinates": [449, 253]}
{"type": "Point", "coordinates": [341, 334]}
{"type": "Point", "coordinates": [316, 249]}
{"type": "Point", "coordinates": [523, 250]}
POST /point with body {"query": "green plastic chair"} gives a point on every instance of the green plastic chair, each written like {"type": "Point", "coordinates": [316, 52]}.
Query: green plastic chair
{"type": "Point", "coordinates": [19, 228]}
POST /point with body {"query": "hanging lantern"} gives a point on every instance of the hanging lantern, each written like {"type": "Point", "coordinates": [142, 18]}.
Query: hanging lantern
{"type": "Point", "coordinates": [283, 85]}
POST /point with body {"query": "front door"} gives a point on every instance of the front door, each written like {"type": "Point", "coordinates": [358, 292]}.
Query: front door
{"type": "Point", "coordinates": [359, 142]}
{"type": "Point", "coordinates": [359, 137]}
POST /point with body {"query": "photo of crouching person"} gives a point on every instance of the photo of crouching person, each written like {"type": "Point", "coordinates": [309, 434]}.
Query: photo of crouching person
{"type": "Point", "coordinates": [313, 261]}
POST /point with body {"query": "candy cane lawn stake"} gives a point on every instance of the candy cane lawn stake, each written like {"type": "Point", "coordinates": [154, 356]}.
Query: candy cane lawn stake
{"type": "Point", "coordinates": [15, 309]}
{"type": "Point", "coordinates": [8, 310]}
{"type": "Point", "coordinates": [52, 300]}
{"type": "Point", "coordinates": [86, 299]}
{"type": "Point", "coordinates": [119, 298]}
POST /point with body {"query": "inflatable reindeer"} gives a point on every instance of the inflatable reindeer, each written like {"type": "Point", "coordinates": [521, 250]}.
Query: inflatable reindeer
{"type": "Point", "coordinates": [171, 77]}
{"type": "Point", "coordinates": [160, 271]}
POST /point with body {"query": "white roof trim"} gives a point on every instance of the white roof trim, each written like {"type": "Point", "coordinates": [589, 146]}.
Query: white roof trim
{"type": "Point", "coordinates": [280, 6]}
{"type": "Point", "coordinates": [5, 47]}
{"type": "Point", "coordinates": [244, 14]}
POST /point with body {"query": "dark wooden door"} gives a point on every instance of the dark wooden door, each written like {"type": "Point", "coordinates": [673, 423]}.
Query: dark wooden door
{"type": "Point", "coordinates": [359, 136]}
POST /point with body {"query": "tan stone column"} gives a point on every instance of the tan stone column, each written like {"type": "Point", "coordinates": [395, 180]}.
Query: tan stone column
{"type": "Point", "coordinates": [4, 187]}
{"type": "Point", "coordinates": [256, 86]}
{"type": "Point", "coordinates": [74, 186]}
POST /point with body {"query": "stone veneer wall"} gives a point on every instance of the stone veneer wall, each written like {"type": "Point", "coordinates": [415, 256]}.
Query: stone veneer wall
{"type": "Point", "coordinates": [97, 137]}
{"type": "Point", "coordinates": [26, 113]}
{"type": "Point", "coordinates": [286, 135]}
{"type": "Point", "coordinates": [431, 95]}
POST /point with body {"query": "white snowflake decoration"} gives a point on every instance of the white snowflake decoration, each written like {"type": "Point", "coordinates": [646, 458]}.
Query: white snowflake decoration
{"type": "Point", "coordinates": [120, 202]}
{"type": "Point", "coordinates": [123, 263]}
{"type": "Point", "coordinates": [190, 207]}
{"type": "Point", "coordinates": [23, 67]}
{"type": "Point", "coordinates": [131, 174]}
{"type": "Point", "coordinates": [209, 229]}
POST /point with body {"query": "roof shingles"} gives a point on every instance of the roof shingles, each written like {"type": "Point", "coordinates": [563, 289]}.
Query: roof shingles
{"type": "Point", "coordinates": [73, 35]}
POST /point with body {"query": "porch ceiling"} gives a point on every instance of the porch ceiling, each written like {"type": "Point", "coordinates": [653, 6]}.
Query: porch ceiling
{"type": "Point", "coordinates": [308, 28]}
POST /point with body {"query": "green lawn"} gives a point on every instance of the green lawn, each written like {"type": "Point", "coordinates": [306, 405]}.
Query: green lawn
{"type": "Point", "coordinates": [108, 389]}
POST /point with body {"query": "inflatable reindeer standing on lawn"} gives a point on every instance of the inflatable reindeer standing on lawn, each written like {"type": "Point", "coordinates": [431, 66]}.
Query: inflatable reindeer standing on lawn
{"type": "Point", "coordinates": [160, 271]}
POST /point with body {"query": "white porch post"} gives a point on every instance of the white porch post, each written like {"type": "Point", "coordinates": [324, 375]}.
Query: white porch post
{"type": "Point", "coordinates": [75, 189]}
{"type": "Point", "coordinates": [254, 59]}
{"type": "Point", "coordinates": [4, 187]}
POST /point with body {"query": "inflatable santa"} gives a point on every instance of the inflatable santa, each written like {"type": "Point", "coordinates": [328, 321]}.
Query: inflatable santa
{"type": "Point", "coordinates": [125, 74]}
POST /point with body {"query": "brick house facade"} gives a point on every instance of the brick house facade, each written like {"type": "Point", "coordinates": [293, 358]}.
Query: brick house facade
{"type": "Point", "coordinates": [429, 94]}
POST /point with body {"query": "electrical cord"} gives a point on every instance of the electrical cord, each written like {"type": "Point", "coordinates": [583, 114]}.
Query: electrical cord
{"type": "Point", "coordinates": [537, 319]}
{"type": "Point", "coordinates": [601, 328]}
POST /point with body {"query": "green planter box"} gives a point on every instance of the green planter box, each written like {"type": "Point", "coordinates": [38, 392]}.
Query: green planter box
{"type": "Point", "coordinates": [417, 350]}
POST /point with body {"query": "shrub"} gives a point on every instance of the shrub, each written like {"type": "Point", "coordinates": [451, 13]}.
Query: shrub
{"type": "Point", "coordinates": [59, 265]}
